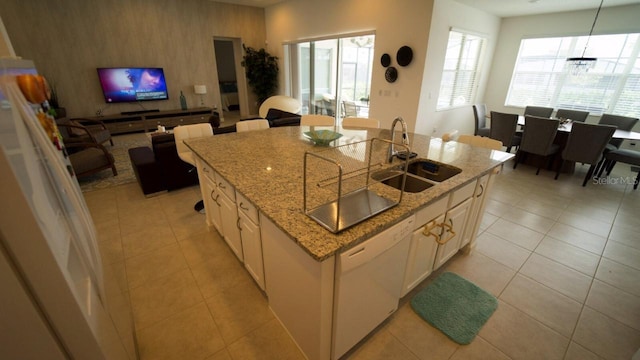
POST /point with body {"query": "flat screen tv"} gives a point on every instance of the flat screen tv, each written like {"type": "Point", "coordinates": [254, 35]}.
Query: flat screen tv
{"type": "Point", "coordinates": [132, 84]}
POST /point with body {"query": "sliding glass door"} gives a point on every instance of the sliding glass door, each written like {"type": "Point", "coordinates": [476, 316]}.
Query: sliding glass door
{"type": "Point", "coordinates": [332, 76]}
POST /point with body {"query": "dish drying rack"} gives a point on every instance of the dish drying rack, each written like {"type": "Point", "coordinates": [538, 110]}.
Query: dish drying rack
{"type": "Point", "coordinates": [339, 189]}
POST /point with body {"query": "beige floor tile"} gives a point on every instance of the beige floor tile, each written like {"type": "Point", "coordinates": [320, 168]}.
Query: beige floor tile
{"type": "Point", "coordinates": [239, 310]}
{"type": "Point", "coordinates": [220, 355]}
{"type": "Point", "coordinates": [597, 227]}
{"type": "Point", "coordinates": [540, 208]}
{"type": "Point", "coordinates": [161, 298]}
{"type": "Point", "coordinates": [558, 277]}
{"type": "Point", "coordinates": [142, 216]}
{"type": "Point", "coordinates": [204, 247]}
{"type": "Point", "coordinates": [566, 254]}
{"type": "Point", "coordinates": [596, 210]}
{"type": "Point", "coordinates": [111, 251]}
{"type": "Point", "coordinates": [530, 220]}
{"type": "Point", "coordinates": [487, 220]}
{"type": "Point", "coordinates": [621, 276]}
{"type": "Point", "coordinates": [496, 208]}
{"type": "Point", "coordinates": [623, 254]}
{"type": "Point", "coordinates": [551, 308]}
{"type": "Point", "coordinates": [521, 337]}
{"type": "Point", "coordinates": [381, 346]}
{"type": "Point", "coordinates": [482, 271]}
{"type": "Point", "coordinates": [577, 352]}
{"type": "Point", "coordinates": [502, 251]}
{"type": "Point", "coordinates": [219, 274]}
{"type": "Point", "coordinates": [189, 334]}
{"type": "Point", "coordinates": [606, 337]}
{"type": "Point", "coordinates": [418, 336]}
{"type": "Point", "coordinates": [147, 239]}
{"type": "Point", "coordinates": [577, 237]}
{"type": "Point", "coordinates": [515, 233]}
{"type": "Point", "coordinates": [626, 235]}
{"type": "Point", "coordinates": [615, 303]}
{"type": "Point", "coordinates": [155, 264]}
{"type": "Point", "coordinates": [479, 349]}
{"type": "Point", "coordinates": [270, 341]}
{"type": "Point", "coordinates": [507, 196]}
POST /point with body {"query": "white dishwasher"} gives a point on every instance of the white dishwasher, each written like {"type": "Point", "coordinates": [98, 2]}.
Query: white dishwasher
{"type": "Point", "coordinates": [368, 285]}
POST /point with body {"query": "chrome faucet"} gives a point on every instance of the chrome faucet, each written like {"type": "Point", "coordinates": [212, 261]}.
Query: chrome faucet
{"type": "Point", "coordinates": [405, 137]}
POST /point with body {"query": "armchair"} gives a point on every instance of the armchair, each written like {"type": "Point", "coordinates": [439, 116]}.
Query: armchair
{"type": "Point", "coordinates": [73, 131]}
{"type": "Point", "coordinates": [89, 158]}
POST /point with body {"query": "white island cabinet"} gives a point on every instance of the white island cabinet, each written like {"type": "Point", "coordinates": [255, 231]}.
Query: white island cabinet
{"type": "Point", "coordinates": [255, 199]}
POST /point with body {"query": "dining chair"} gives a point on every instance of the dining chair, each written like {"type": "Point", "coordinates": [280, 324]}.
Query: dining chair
{"type": "Point", "coordinates": [586, 144]}
{"type": "Point", "coordinates": [250, 125]}
{"type": "Point", "coordinates": [317, 120]}
{"type": "Point", "coordinates": [480, 115]}
{"type": "Point", "coordinates": [480, 141]}
{"type": "Point", "coordinates": [621, 123]}
{"type": "Point", "coordinates": [360, 123]}
{"type": "Point", "coordinates": [503, 128]}
{"type": "Point", "coordinates": [573, 115]}
{"type": "Point", "coordinates": [540, 111]}
{"type": "Point", "coordinates": [626, 156]}
{"type": "Point", "coordinates": [537, 138]}
{"type": "Point", "coordinates": [349, 108]}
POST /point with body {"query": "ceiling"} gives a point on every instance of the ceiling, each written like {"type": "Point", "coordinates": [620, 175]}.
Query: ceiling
{"type": "Point", "coordinates": [502, 8]}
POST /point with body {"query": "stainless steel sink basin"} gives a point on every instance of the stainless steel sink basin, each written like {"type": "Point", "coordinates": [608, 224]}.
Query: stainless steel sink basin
{"type": "Point", "coordinates": [432, 170]}
{"type": "Point", "coordinates": [412, 184]}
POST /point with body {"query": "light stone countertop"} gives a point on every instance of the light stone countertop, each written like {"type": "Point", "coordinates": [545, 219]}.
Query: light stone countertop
{"type": "Point", "coordinates": [267, 167]}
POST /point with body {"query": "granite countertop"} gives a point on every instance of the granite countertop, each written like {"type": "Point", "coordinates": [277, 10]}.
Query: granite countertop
{"type": "Point", "coordinates": [267, 167]}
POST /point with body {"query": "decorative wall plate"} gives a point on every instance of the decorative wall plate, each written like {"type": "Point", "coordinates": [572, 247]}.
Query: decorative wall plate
{"type": "Point", "coordinates": [385, 60]}
{"type": "Point", "coordinates": [404, 56]}
{"type": "Point", "coordinates": [391, 75]}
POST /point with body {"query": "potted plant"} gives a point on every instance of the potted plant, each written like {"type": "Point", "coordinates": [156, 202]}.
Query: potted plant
{"type": "Point", "coordinates": [262, 72]}
{"type": "Point", "coordinates": [54, 105]}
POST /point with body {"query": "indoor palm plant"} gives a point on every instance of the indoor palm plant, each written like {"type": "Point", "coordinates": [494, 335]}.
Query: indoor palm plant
{"type": "Point", "coordinates": [262, 72]}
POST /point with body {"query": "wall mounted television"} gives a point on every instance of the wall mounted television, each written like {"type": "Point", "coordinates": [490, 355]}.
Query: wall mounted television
{"type": "Point", "coordinates": [132, 84]}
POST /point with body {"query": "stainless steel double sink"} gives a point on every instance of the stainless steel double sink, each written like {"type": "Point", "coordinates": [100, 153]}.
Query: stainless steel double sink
{"type": "Point", "coordinates": [421, 175]}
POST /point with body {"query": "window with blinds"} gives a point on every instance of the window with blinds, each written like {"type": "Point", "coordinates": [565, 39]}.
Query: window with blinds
{"type": "Point", "coordinates": [460, 73]}
{"type": "Point", "coordinates": [612, 86]}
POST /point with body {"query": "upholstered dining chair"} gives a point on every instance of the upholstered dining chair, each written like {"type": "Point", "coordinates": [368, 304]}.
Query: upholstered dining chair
{"type": "Point", "coordinates": [317, 120]}
{"type": "Point", "coordinates": [540, 111]}
{"type": "Point", "coordinates": [503, 128]}
{"type": "Point", "coordinates": [349, 108]}
{"type": "Point", "coordinates": [537, 138]}
{"type": "Point", "coordinates": [573, 115]}
{"type": "Point", "coordinates": [621, 123]}
{"type": "Point", "coordinates": [250, 125]}
{"type": "Point", "coordinates": [185, 132]}
{"type": "Point", "coordinates": [480, 116]}
{"type": "Point", "coordinates": [586, 144]}
{"type": "Point", "coordinates": [360, 123]}
{"type": "Point", "coordinates": [626, 156]}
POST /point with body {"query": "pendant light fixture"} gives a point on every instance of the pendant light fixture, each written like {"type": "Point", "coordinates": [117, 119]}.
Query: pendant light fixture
{"type": "Point", "coordinates": [582, 64]}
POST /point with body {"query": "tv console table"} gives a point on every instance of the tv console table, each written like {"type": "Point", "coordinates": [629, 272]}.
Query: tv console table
{"type": "Point", "coordinates": [149, 121]}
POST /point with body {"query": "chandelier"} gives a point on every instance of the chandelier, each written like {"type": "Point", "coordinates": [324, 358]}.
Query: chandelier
{"type": "Point", "coordinates": [362, 41]}
{"type": "Point", "coordinates": [582, 64]}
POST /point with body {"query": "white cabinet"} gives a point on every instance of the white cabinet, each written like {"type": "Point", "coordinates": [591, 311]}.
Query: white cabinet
{"type": "Point", "coordinates": [229, 215]}
{"type": "Point", "coordinates": [453, 230]}
{"type": "Point", "coordinates": [210, 195]}
{"type": "Point", "coordinates": [249, 225]}
{"type": "Point", "coordinates": [477, 208]}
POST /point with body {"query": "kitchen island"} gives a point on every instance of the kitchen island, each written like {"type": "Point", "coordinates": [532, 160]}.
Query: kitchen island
{"type": "Point", "coordinates": [252, 184]}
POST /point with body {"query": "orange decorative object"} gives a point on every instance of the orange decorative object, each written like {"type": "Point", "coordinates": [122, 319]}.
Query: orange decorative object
{"type": "Point", "coordinates": [32, 87]}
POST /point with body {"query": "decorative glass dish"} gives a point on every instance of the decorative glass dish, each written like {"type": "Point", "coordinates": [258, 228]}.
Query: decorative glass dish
{"type": "Point", "coordinates": [322, 137]}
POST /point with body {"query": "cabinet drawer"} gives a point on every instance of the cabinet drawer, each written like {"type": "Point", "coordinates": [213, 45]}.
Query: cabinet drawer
{"type": "Point", "coordinates": [226, 188]}
{"type": "Point", "coordinates": [206, 170]}
{"type": "Point", "coordinates": [463, 193]}
{"type": "Point", "coordinates": [246, 207]}
{"type": "Point", "coordinates": [432, 211]}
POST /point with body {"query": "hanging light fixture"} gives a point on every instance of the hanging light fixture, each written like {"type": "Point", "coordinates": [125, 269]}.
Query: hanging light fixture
{"type": "Point", "coordinates": [582, 64]}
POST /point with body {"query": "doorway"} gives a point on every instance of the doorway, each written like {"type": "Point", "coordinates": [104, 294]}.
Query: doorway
{"type": "Point", "coordinates": [232, 89]}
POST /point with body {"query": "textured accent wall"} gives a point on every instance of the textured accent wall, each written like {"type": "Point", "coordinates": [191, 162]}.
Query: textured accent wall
{"type": "Point", "coordinates": [69, 39]}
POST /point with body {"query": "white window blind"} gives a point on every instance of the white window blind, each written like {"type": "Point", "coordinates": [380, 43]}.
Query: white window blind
{"type": "Point", "coordinates": [613, 86]}
{"type": "Point", "coordinates": [460, 73]}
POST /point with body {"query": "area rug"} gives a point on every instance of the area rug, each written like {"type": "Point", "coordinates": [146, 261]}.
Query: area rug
{"type": "Point", "coordinates": [455, 306]}
{"type": "Point", "coordinates": [105, 179]}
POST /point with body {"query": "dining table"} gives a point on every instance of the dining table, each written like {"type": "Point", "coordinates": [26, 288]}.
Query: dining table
{"type": "Point", "coordinates": [566, 127]}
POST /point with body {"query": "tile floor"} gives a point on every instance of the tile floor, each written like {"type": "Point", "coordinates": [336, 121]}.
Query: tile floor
{"type": "Point", "coordinates": [563, 260]}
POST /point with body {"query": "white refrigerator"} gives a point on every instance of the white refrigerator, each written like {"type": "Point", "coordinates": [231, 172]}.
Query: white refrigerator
{"type": "Point", "coordinates": [57, 299]}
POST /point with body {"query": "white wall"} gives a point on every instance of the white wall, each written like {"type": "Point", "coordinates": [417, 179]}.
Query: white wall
{"type": "Point", "coordinates": [447, 14]}
{"type": "Point", "coordinates": [622, 19]}
{"type": "Point", "coordinates": [396, 23]}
